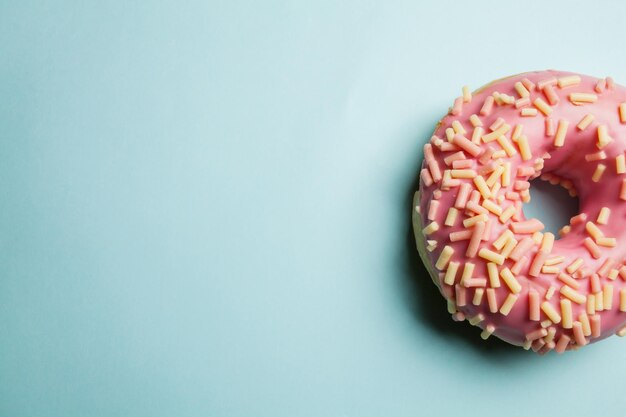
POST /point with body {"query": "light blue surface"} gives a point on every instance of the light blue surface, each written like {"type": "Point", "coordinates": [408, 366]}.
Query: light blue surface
{"type": "Point", "coordinates": [205, 208]}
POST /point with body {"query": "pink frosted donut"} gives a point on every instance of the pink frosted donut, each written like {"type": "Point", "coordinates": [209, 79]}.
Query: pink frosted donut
{"type": "Point", "coordinates": [495, 267]}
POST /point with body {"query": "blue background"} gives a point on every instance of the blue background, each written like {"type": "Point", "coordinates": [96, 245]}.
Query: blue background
{"type": "Point", "coordinates": [206, 208]}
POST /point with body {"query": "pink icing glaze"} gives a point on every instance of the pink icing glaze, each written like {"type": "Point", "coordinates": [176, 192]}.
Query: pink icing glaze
{"type": "Point", "coordinates": [566, 163]}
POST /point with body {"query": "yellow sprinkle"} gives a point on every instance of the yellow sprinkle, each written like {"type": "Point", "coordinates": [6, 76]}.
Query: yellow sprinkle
{"type": "Point", "coordinates": [502, 130]}
{"type": "Point", "coordinates": [478, 317]}
{"type": "Point", "coordinates": [467, 94]}
{"type": "Point", "coordinates": [497, 173]}
{"type": "Point", "coordinates": [561, 130]}
{"type": "Point", "coordinates": [482, 187]}
{"type": "Point", "coordinates": [542, 106]}
{"type": "Point", "coordinates": [521, 90]}
{"type": "Point", "coordinates": [620, 164]}
{"type": "Point", "coordinates": [550, 292]}
{"type": "Point", "coordinates": [506, 175]}
{"type": "Point", "coordinates": [478, 296]}
{"type": "Point", "coordinates": [537, 237]}
{"type": "Point", "coordinates": [591, 304]}
{"type": "Point", "coordinates": [462, 173]}
{"type": "Point", "coordinates": [524, 149]}
{"type": "Point", "coordinates": [528, 112]}
{"type": "Point", "coordinates": [568, 81]}
{"type": "Point", "coordinates": [508, 304]}
{"type": "Point", "coordinates": [451, 217]}
{"type": "Point", "coordinates": [585, 122]}
{"type": "Point", "coordinates": [547, 242]}
{"type": "Point", "coordinates": [593, 230]}
{"type": "Point", "coordinates": [468, 270]}
{"type": "Point", "coordinates": [453, 267]}
{"type": "Point", "coordinates": [572, 294]}
{"type": "Point", "coordinates": [574, 266]}
{"type": "Point", "coordinates": [621, 332]}
{"type": "Point", "coordinates": [607, 294]}
{"type": "Point", "coordinates": [430, 228]}
{"type": "Point", "coordinates": [581, 98]}
{"type": "Point", "coordinates": [551, 312]}
{"type": "Point", "coordinates": [458, 127]}
{"type": "Point", "coordinates": [510, 281]}
{"type": "Point", "coordinates": [555, 260]}
{"type": "Point", "coordinates": [471, 221]}
{"type": "Point", "coordinates": [475, 120]}
{"type": "Point", "coordinates": [477, 134]}
{"type": "Point", "coordinates": [444, 258]}
{"type": "Point", "coordinates": [584, 321]}
{"type": "Point", "coordinates": [613, 273]}
{"type": "Point", "coordinates": [597, 174]}
{"type": "Point", "coordinates": [451, 307]}
{"type": "Point", "coordinates": [603, 216]}
{"type": "Point", "coordinates": [507, 214]}
{"type": "Point", "coordinates": [550, 269]}
{"type": "Point", "coordinates": [607, 242]}
{"type": "Point", "coordinates": [603, 137]}
{"type": "Point", "coordinates": [502, 239]}
{"type": "Point", "coordinates": [492, 207]}
{"type": "Point", "coordinates": [566, 313]}
{"type": "Point", "coordinates": [494, 278]}
{"type": "Point", "coordinates": [491, 256]}
{"type": "Point", "coordinates": [487, 332]}
{"type": "Point", "coordinates": [517, 132]}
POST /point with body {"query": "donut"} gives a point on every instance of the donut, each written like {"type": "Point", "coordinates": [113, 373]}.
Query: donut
{"type": "Point", "coordinates": [498, 269]}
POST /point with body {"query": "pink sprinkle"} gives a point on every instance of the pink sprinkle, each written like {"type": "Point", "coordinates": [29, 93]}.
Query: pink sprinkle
{"type": "Point", "coordinates": [609, 83]}
{"type": "Point", "coordinates": [466, 144]}
{"type": "Point", "coordinates": [535, 266]}
{"type": "Point", "coordinates": [562, 344]}
{"type": "Point", "coordinates": [549, 127]}
{"type": "Point", "coordinates": [460, 295]}
{"type": "Point", "coordinates": [579, 337]}
{"type": "Point", "coordinates": [460, 235]}
{"type": "Point", "coordinates": [538, 344]}
{"type": "Point", "coordinates": [591, 246]}
{"type": "Point", "coordinates": [426, 178]}
{"type": "Point", "coordinates": [527, 227]}
{"type": "Point", "coordinates": [474, 196]}
{"type": "Point", "coordinates": [521, 185]}
{"type": "Point", "coordinates": [543, 83]}
{"type": "Point", "coordinates": [458, 316]}
{"type": "Point", "coordinates": [522, 247]}
{"type": "Point", "coordinates": [433, 166]}
{"type": "Point", "coordinates": [600, 86]}
{"type": "Point", "coordinates": [462, 164]}
{"type": "Point", "coordinates": [448, 147]}
{"type": "Point", "coordinates": [461, 197]}
{"type": "Point", "coordinates": [525, 171]}
{"type": "Point", "coordinates": [530, 86]}
{"type": "Point", "coordinates": [622, 272]}
{"type": "Point", "coordinates": [512, 195]}
{"type": "Point", "coordinates": [622, 191]}
{"type": "Point", "coordinates": [522, 102]}
{"type": "Point", "coordinates": [579, 218]}
{"type": "Point", "coordinates": [457, 107]}
{"type": "Point", "coordinates": [432, 209]}
{"type": "Point", "coordinates": [476, 208]}
{"type": "Point", "coordinates": [454, 157]}
{"type": "Point", "coordinates": [597, 156]}
{"type": "Point", "coordinates": [437, 194]}
{"type": "Point", "coordinates": [475, 282]}
{"type": "Point", "coordinates": [517, 216]}
{"type": "Point", "coordinates": [594, 284]}
{"type": "Point", "coordinates": [486, 156]}
{"type": "Point", "coordinates": [603, 271]}
{"type": "Point", "coordinates": [536, 334]}
{"type": "Point", "coordinates": [551, 95]}
{"type": "Point", "coordinates": [517, 266]}
{"type": "Point", "coordinates": [487, 106]}
{"type": "Point", "coordinates": [594, 321]}
{"type": "Point", "coordinates": [474, 243]}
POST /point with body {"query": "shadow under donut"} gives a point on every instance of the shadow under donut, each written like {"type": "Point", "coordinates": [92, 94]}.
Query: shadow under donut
{"type": "Point", "coordinates": [427, 304]}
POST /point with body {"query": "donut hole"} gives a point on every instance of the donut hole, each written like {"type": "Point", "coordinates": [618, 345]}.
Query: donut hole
{"type": "Point", "coordinates": [551, 204]}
